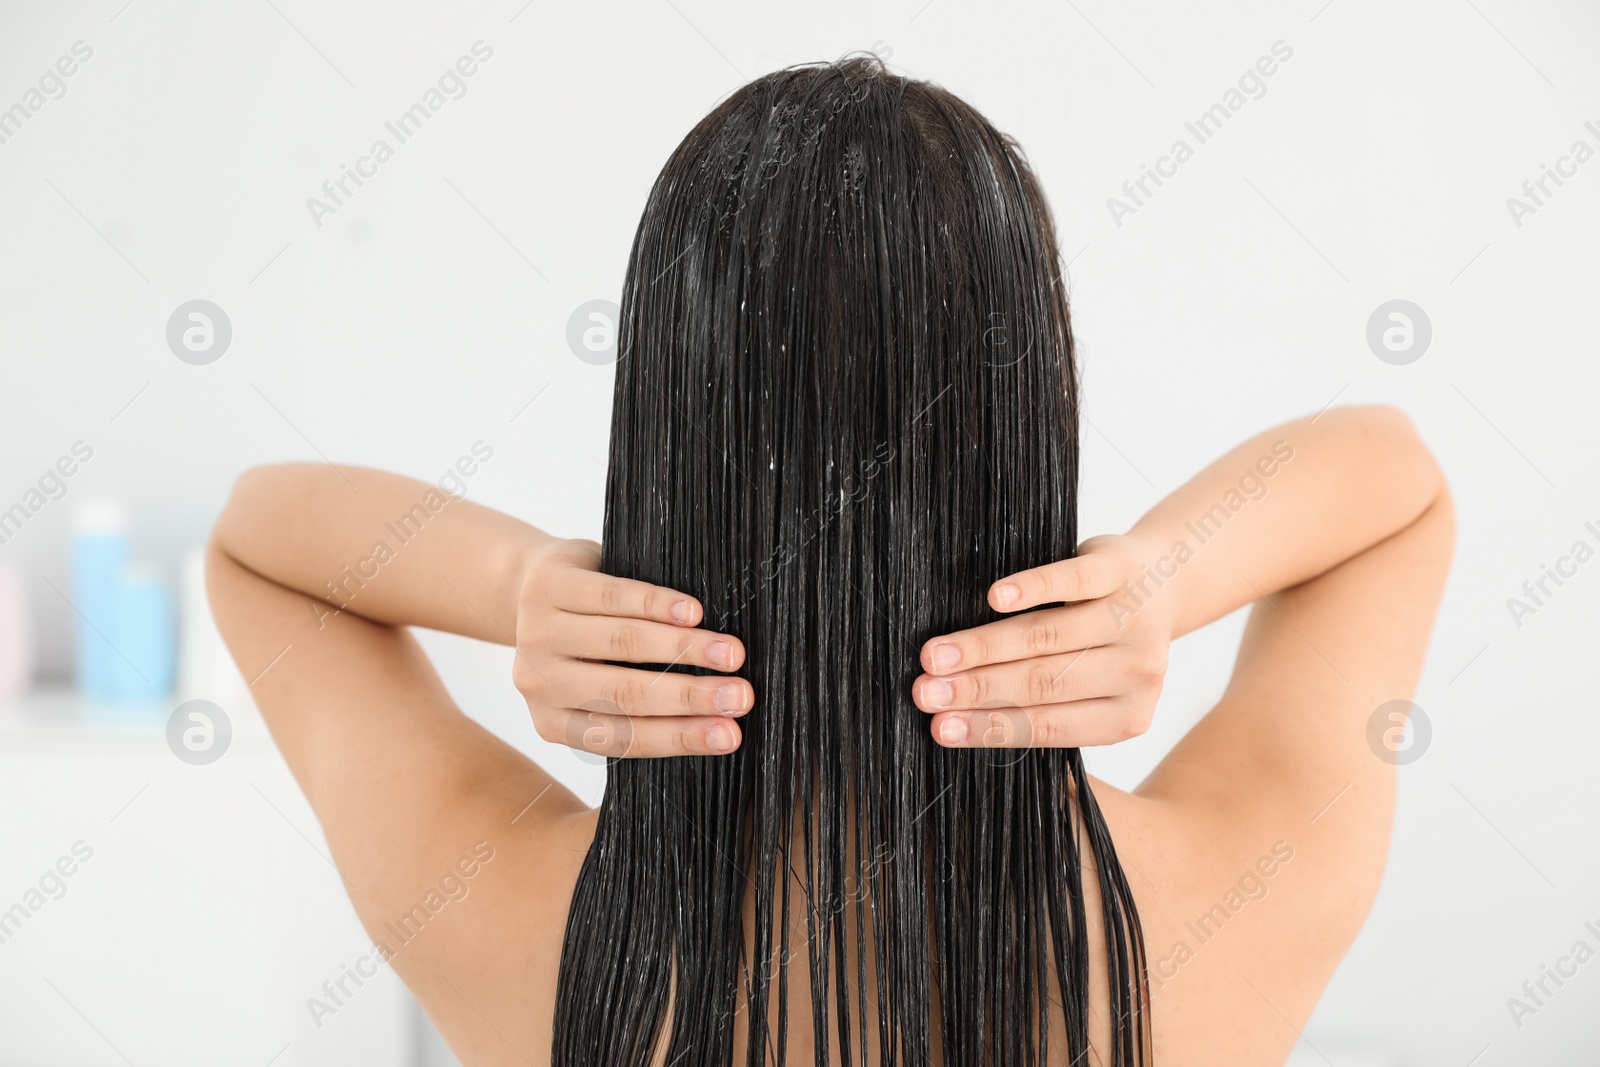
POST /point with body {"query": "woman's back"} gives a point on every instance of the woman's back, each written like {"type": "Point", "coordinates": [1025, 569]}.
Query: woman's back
{"type": "Point", "coordinates": [1253, 851]}
{"type": "Point", "coordinates": [846, 410]}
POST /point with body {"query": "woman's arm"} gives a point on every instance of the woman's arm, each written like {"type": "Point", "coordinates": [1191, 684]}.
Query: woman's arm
{"type": "Point", "coordinates": [385, 547]}
{"type": "Point", "coordinates": [398, 552]}
{"type": "Point", "coordinates": [1298, 759]}
{"type": "Point", "coordinates": [1341, 536]}
{"type": "Point", "coordinates": [1278, 510]}
{"type": "Point", "coordinates": [1281, 508]}
{"type": "Point", "coordinates": [314, 575]}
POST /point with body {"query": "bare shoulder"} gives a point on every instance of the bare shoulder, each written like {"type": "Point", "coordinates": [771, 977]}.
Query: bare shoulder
{"type": "Point", "coordinates": [1256, 848]}
{"type": "Point", "coordinates": [459, 853]}
{"type": "Point", "coordinates": [489, 982]}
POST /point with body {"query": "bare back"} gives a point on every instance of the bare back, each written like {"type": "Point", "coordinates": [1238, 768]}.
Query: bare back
{"type": "Point", "coordinates": [1254, 850]}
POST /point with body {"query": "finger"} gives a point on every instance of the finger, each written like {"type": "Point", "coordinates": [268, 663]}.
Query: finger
{"type": "Point", "coordinates": [1077, 724]}
{"type": "Point", "coordinates": [588, 592]}
{"type": "Point", "coordinates": [1086, 577]}
{"type": "Point", "coordinates": [648, 692]}
{"type": "Point", "coordinates": [1093, 672]}
{"type": "Point", "coordinates": [640, 738]}
{"type": "Point", "coordinates": [596, 637]}
{"type": "Point", "coordinates": [1038, 633]}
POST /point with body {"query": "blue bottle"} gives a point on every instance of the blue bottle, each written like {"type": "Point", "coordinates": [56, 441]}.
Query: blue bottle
{"type": "Point", "coordinates": [142, 633]}
{"type": "Point", "coordinates": [99, 554]}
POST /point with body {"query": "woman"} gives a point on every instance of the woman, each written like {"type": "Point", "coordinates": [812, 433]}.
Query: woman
{"type": "Point", "coordinates": [845, 644]}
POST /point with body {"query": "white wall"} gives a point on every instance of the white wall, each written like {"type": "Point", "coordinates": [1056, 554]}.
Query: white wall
{"type": "Point", "coordinates": [425, 314]}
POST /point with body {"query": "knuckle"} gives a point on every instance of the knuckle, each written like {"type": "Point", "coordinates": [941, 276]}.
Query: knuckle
{"type": "Point", "coordinates": [591, 738]}
{"type": "Point", "coordinates": [1139, 721]}
{"type": "Point", "coordinates": [1040, 683]}
{"type": "Point", "coordinates": [531, 631]}
{"type": "Point", "coordinates": [627, 694]}
{"type": "Point", "coordinates": [1059, 583]}
{"type": "Point", "coordinates": [529, 679]}
{"type": "Point", "coordinates": [546, 730]}
{"type": "Point", "coordinates": [610, 600]}
{"type": "Point", "coordinates": [588, 731]}
{"type": "Point", "coordinates": [1096, 571]}
{"type": "Point", "coordinates": [564, 554]}
{"type": "Point", "coordinates": [622, 739]}
{"type": "Point", "coordinates": [996, 729]}
{"type": "Point", "coordinates": [977, 688]}
{"type": "Point", "coordinates": [1042, 636]}
{"type": "Point", "coordinates": [534, 594]}
{"type": "Point", "coordinates": [579, 550]}
{"type": "Point", "coordinates": [1046, 732]}
{"type": "Point", "coordinates": [624, 642]}
{"type": "Point", "coordinates": [1079, 582]}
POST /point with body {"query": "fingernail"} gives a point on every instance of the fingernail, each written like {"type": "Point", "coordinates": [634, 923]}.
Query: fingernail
{"type": "Point", "coordinates": [953, 730]}
{"type": "Point", "coordinates": [683, 611]}
{"type": "Point", "coordinates": [719, 738]}
{"type": "Point", "coordinates": [1007, 594]}
{"type": "Point", "coordinates": [938, 693]}
{"type": "Point", "coordinates": [945, 656]}
{"type": "Point", "coordinates": [719, 652]}
{"type": "Point", "coordinates": [729, 699]}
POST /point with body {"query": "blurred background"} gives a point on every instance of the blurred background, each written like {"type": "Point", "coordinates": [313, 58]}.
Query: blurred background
{"type": "Point", "coordinates": [387, 234]}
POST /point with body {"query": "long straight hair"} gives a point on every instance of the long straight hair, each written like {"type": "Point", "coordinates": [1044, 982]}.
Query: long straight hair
{"type": "Point", "coordinates": [846, 403]}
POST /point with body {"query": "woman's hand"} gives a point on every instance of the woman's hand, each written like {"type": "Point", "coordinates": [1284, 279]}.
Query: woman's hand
{"type": "Point", "coordinates": [571, 619]}
{"type": "Point", "coordinates": [1085, 673]}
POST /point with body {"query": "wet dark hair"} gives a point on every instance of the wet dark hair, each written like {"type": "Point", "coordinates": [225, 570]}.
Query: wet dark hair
{"type": "Point", "coordinates": [846, 403]}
